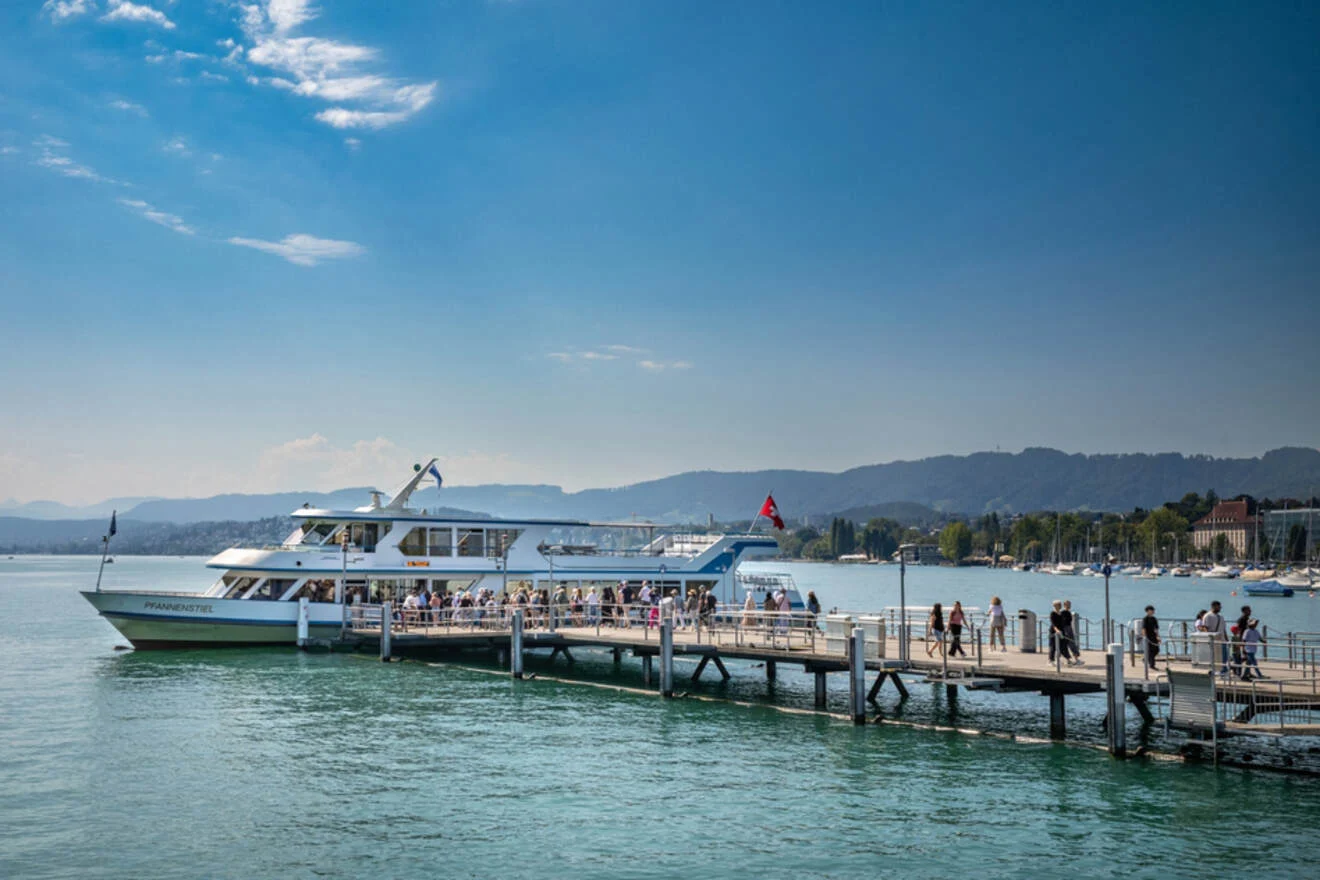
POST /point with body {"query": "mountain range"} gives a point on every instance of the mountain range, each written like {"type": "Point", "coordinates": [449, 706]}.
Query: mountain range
{"type": "Point", "coordinates": [1034, 479]}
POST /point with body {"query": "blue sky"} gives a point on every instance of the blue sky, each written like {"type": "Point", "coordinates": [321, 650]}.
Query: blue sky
{"type": "Point", "coordinates": [281, 245]}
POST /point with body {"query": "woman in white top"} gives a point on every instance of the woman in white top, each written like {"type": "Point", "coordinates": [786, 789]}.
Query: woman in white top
{"type": "Point", "coordinates": [997, 620]}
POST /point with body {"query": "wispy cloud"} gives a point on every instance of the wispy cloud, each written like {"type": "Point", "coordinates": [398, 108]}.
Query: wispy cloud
{"type": "Point", "coordinates": [129, 107]}
{"type": "Point", "coordinates": [177, 146]}
{"type": "Point", "coordinates": [660, 366]}
{"type": "Point", "coordinates": [303, 249]}
{"type": "Point", "coordinates": [169, 221]}
{"type": "Point", "coordinates": [55, 161]}
{"type": "Point", "coordinates": [353, 144]}
{"type": "Point", "coordinates": [8, 150]}
{"type": "Point", "coordinates": [125, 11]}
{"type": "Point", "coordinates": [60, 10]}
{"type": "Point", "coordinates": [616, 352]}
{"type": "Point", "coordinates": [213, 77]}
{"type": "Point", "coordinates": [329, 70]}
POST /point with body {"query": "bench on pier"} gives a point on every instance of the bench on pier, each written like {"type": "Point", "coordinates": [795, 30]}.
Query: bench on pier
{"type": "Point", "coordinates": [1193, 703]}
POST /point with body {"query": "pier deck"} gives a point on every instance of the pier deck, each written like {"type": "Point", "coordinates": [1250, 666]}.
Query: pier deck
{"type": "Point", "coordinates": [1286, 703]}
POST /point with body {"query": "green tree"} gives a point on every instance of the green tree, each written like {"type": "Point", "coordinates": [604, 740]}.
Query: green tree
{"type": "Point", "coordinates": [1162, 529]}
{"type": "Point", "coordinates": [956, 541]}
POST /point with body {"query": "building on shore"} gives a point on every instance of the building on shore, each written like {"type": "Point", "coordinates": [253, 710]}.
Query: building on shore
{"type": "Point", "coordinates": [1229, 518]}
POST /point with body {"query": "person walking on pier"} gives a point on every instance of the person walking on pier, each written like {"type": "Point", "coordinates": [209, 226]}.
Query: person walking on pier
{"type": "Point", "coordinates": [998, 621]}
{"type": "Point", "coordinates": [956, 620]}
{"type": "Point", "coordinates": [1057, 644]}
{"type": "Point", "coordinates": [1218, 632]}
{"type": "Point", "coordinates": [1070, 645]}
{"type": "Point", "coordinates": [1237, 632]}
{"type": "Point", "coordinates": [935, 630]}
{"type": "Point", "coordinates": [1251, 640]}
{"type": "Point", "coordinates": [1150, 636]}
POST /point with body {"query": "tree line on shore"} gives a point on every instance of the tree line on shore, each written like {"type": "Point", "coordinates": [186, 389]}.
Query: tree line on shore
{"type": "Point", "coordinates": [1161, 535]}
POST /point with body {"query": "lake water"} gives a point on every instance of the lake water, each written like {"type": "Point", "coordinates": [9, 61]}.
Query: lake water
{"type": "Point", "coordinates": [255, 763]}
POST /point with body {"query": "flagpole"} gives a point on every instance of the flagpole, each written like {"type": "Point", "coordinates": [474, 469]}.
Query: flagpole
{"type": "Point", "coordinates": [757, 518]}
{"type": "Point", "coordinates": [105, 551]}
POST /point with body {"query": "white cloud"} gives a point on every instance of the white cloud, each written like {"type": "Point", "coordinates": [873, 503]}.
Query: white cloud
{"type": "Point", "coordinates": [303, 249]}
{"type": "Point", "coordinates": [339, 117]}
{"type": "Point", "coordinates": [59, 10]}
{"type": "Point", "coordinates": [214, 77]}
{"type": "Point", "coordinates": [61, 164]}
{"type": "Point", "coordinates": [330, 70]}
{"type": "Point", "coordinates": [129, 107]}
{"type": "Point", "coordinates": [178, 146]}
{"type": "Point", "coordinates": [624, 349]}
{"type": "Point", "coordinates": [285, 15]}
{"type": "Point", "coordinates": [123, 10]}
{"type": "Point", "coordinates": [9, 151]}
{"type": "Point", "coordinates": [353, 144]}
{"type": "Point", "coordinates": [169, 221]}
{"type": "Point", "coordinates": [660, 366]}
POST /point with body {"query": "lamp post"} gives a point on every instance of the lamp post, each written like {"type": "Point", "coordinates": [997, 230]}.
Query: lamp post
{"type": "Point", "coordinates": [902, 603]}
{"type": "Point", "coordinates": [1108, 628]}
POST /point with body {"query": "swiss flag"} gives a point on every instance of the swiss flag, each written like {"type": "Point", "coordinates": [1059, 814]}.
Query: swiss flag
{"type": "Point", "coordinates": [770, 510]}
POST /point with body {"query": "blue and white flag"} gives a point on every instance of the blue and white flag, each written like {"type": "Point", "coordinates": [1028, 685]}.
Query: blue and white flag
{"type": "Point", "coordinates": [439, 481]}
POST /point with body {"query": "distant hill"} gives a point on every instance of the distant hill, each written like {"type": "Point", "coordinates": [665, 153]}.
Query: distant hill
{"type": "Point", "coordinates": [56, 510]}
{"type": "Point", "coordinates": [909, 513]}
{"type": "Point", "coordinates": [1035, 479]}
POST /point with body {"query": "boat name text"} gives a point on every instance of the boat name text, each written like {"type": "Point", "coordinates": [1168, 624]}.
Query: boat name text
{"type": "Point", "coordinates": [180, 606]}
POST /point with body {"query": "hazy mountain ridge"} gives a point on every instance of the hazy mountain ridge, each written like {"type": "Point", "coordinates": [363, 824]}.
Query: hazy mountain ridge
{"type": "Point", "coordinates": [1034, 479]}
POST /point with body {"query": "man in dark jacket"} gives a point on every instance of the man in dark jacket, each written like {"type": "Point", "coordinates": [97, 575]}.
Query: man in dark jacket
{"type": "Point", "coordinates": [1150, 636]}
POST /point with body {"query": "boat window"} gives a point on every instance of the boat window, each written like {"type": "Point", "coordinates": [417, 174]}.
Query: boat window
{"type": "Point", "coordinates": [365, 535]}
{"type": "Point", "coordinates": [442, 542]}
{"type": "Point", "coordinates": [414, 543]}
{"type": "Point", "coordinates": [317, 532]}
{"type": "Point", "coordinates": [238, 586]}
{"type": "Point", "coordinates": [471, 542]}
{"type": "Point", "coordinates": [500, 540]}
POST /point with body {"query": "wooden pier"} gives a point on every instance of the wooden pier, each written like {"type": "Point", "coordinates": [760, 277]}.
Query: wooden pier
{"type": "Point", "coordinates": [769, 642]}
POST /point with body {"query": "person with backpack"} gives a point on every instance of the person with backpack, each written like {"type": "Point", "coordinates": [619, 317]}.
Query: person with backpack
{"type": "Point", "coordinates": [1251, 640]}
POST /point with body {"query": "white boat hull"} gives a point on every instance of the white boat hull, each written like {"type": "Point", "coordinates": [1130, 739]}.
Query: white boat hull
{"type": "Point", "coordinates": [151, 620]}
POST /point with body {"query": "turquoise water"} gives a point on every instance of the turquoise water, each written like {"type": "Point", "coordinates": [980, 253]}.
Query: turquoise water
{"type": "Point", "coordinates": [257, 763]}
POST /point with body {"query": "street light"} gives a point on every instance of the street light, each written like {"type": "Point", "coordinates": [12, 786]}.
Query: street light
{"type": "Point", "coordinates": [902, 603]}
{"type": "Point", "coordinates": [1108, 627]}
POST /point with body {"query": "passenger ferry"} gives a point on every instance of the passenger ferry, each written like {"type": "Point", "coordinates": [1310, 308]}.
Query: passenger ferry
{"type": "Point", "coordinates": [384, 551]}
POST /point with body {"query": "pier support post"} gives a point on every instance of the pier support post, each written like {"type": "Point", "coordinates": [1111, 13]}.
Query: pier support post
{"type": "Point", "coordinates": [719, 664]}
{"type": "Point", "coordinates": [898, 683]}
{"type": "Point", "coordinates": [646, 669]}
{"type": "Point", "coordinates": [822, 690]}
{"type": "Point", "coordinates": [701, 667]}
{"type": "Point", "coordinates": [516, 644]}
{"type": "Point", "coordinates": [304, 622]}
{"type": "Point", "coordinates": [857, 676]}
{"type": "Point", "coordinates": [667, 657]}
{"type": "Point", "coordinates": [1058, 722]}
{"type": "Point", "coordinates": [618, 655]}
{"type": "Point", "coordinates": [1114, 693]}
{"type": "Point", "coordinates": [770, 669]}
{"type": "Point", "coordinates": [386, 620]}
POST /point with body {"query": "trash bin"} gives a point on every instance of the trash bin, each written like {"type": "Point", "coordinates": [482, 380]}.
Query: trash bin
{"type": "Point", "coordinates": [1203, 649]}
{"type": "Point", "coordinates": [1026, 631]}
{"type": "Point", "coordinates": [875, 636]}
